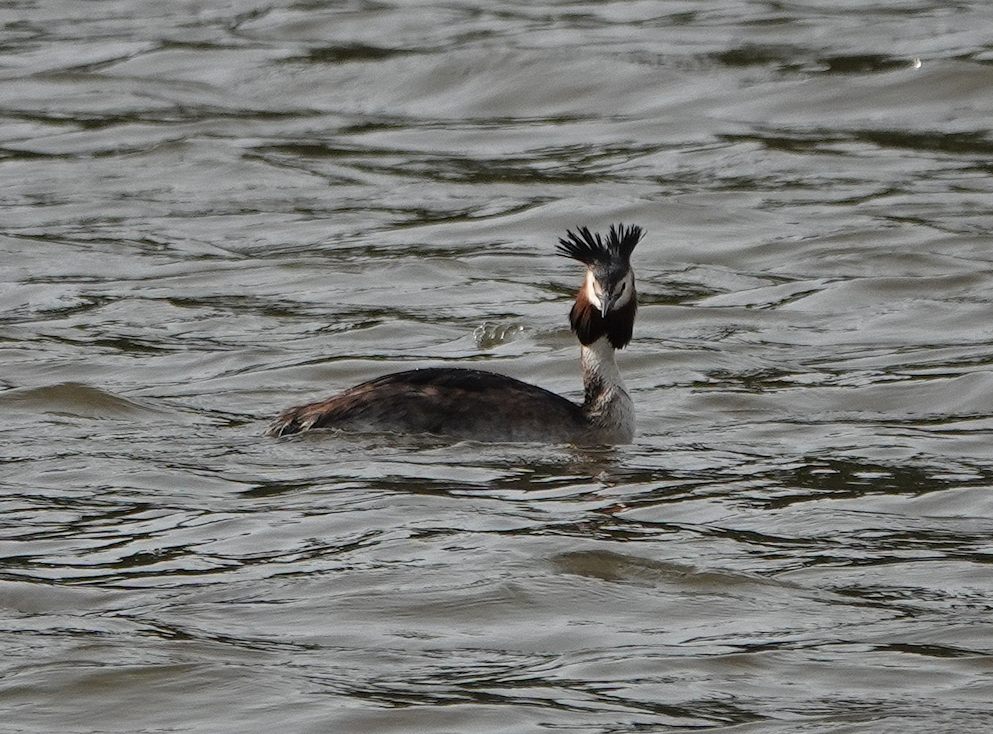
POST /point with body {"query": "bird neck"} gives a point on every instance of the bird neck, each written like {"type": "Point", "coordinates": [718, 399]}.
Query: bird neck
{"type": "Point", "coordinates": [607, 405]}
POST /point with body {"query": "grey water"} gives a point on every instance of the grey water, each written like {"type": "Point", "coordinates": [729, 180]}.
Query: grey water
{"type": "Point", "coordinates": [210, 211]}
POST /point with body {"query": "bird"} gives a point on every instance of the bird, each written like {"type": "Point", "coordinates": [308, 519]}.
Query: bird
{"type": "Point", "coordinates": [477, 405]}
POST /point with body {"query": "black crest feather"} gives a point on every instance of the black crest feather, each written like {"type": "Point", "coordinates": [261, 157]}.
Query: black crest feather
{"type": "Point", "coordinates": [592, 249]}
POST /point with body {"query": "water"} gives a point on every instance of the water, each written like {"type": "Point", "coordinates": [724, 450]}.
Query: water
{"type": "Point", "coordinates": [212, 211]}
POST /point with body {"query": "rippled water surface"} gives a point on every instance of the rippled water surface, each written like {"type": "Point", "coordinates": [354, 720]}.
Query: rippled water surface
{"type": "Point", "coordinates": [210, 211]}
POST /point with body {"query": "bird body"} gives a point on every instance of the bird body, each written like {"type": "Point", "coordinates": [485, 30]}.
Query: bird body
{"type": "Point", "coordinates": [485, 406]}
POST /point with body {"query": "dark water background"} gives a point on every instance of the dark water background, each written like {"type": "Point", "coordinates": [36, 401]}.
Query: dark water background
{"type": "Point", "coordinates": [212, 210]}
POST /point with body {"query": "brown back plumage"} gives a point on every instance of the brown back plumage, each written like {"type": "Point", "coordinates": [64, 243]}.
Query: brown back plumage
{"type": "Point", "coordinates": [471, 404]}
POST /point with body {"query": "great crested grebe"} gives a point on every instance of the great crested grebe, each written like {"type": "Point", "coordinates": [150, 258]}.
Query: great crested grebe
{"type": "Point", "coordinates": [485, 406]}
